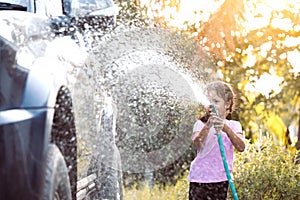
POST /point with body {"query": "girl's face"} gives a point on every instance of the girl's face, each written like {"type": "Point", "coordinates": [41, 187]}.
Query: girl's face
{"type": "Point", "coordinates": [218, 102]}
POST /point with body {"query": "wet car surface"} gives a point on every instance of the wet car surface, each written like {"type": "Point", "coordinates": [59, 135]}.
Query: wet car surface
{"type": "Point", "coordinates": [37, 121]}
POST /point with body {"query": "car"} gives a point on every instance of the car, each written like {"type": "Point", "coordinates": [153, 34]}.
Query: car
{"type": "Point", "coordinates": [40, 52]}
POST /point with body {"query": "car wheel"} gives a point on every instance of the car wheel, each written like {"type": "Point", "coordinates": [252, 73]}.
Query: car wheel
{"type": "Point", "coordinates": [57, 183]}
{"type": "Point", "coordinates": [64, 134]}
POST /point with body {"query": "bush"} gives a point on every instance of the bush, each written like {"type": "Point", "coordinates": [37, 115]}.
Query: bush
{"type": "Point", "coordinates": [263, 171]}
{"type": "Point", "coordinates": [266, 171]}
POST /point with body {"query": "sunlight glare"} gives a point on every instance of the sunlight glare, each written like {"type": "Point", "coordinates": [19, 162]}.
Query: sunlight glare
{"type": "Point", "coordinates": [187, 12]}
{"type": "Point", "coordinates": [294, 59]}
{"type": "Point", "coordinates": [249, 61]}
{"type": "Point", "coordinates": [291, 41]}
{"type": "Point", "coordinates": [265, 84]}
{"type": "Point", "coordinates": [265, 48]}
{"type": "Point", "coordinates": [283, 24]}
{"type": "Point", "coordinates": [259, 16]}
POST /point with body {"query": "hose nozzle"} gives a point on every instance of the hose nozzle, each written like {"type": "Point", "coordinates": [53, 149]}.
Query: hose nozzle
{"type": "Point", "coordinates": [214, 109]}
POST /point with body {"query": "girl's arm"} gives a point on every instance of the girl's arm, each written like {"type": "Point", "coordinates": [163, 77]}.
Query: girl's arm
{"type": "Point", "coordinates": [236, 138]}
{"type": "Point", "coordinates": [200, 137]}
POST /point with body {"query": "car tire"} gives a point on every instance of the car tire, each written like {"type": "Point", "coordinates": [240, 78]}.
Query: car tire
{"type": "Point", "coordinates": [57, 183]}
{"type": "Point", "coordinates": [64, 134]}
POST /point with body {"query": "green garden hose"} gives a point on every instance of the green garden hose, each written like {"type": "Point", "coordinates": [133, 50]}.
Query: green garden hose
{"type": "Point", "coordinates": [234, 194]}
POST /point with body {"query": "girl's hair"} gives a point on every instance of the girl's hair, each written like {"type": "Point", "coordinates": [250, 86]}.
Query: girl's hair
{"type": "Point", "coordinates": [225, 91]}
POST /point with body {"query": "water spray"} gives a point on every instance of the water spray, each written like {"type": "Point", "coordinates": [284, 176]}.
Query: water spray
{"type": "Point", "coordinates": [214, 110]}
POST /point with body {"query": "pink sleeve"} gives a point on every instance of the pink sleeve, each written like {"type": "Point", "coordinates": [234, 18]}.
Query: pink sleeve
{"type": "Point", "coordinates": [197, 127]}
{"type": "Point", "coordinates": [236, 126]}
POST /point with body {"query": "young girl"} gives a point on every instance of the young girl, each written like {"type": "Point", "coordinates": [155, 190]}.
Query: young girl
{"type": "Point", "coordinates": [207, 175]}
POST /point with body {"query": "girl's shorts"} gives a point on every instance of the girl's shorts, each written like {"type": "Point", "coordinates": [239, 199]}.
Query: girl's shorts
{"type": "Point", "coordinates": [206, 191]}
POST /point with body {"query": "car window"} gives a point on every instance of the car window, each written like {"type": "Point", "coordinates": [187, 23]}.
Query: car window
{"type": "Point", "coordinates": [28, 4]}
{"type": "Point", "coordinates": [18, 2]}
{"type": "Point", "coordinates": [100, 4]}
{"type": "Point", "coordinates": [49, 8]}
{"type": "Point", "coordinates": [83, 7]}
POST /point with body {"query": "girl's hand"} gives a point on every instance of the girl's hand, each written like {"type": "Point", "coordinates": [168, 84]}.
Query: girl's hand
{"type": "Point", "coordinates": [217, 122]}
{"type": "Point", "coordinates": [214, 120]}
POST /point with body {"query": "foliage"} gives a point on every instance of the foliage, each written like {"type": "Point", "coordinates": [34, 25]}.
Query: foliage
{"type": "Point", "coordinates": [131, 13]}
{"type": "Point", "coordinates": [244, 55]}
{"type": "Point", "coordinates": [249, 54]}
{"type": "Point", "coordinates": [267, 171]}
{"type": "Point", "coordinates": [178, 191]}
{"type": "Point", "coordinates": [263, 171]}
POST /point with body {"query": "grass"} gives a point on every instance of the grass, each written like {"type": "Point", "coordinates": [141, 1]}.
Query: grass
{"type": "Point", "coordinates": [169, 192]}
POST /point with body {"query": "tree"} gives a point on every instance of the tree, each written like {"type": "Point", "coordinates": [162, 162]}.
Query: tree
{"type": "Point", "coordinates": [245, 54]}
{"type": "Point", "coordinates": [250, 42]}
